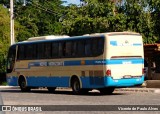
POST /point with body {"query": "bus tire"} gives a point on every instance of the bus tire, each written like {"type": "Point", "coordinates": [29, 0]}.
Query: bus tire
{"type": "Point", "coordinates": [23, 85]}
{"type": "Point", "coordinates": [51, 89]}
{"type": "Point", "coordinates": [75, 84]}
{"type": "Point", "coordinates": [106, 91]}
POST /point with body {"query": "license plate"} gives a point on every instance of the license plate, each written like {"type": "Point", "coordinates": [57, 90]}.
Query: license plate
{"type": "Point", "coordinates": [127, 76]}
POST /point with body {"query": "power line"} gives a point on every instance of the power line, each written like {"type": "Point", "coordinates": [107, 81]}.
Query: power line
{"type": "Point", "coordinates": [45, 9]}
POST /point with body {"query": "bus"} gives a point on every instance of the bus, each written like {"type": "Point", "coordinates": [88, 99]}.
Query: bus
{"type": "Point", "coordinates": [102, 61]}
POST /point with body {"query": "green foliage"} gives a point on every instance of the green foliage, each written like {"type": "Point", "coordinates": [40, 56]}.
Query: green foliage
{"type": "Point", "coordinates": [4, 36]}
{"type": "Point", "coordinates": [89, 18]}
{"type": "Point", "coordinates": [4, 83]}
{"type": "Point", "coordinates": [39, 17]}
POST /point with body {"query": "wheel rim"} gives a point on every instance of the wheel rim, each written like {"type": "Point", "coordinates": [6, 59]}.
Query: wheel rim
{"type": "Point", "coordinates": [23, 84]}
{"type": "Point", "coordinates": [76, 86]}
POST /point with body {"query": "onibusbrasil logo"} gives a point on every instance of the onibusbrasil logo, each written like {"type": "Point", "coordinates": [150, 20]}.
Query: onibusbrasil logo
{"type": "Point", "coordinates": [1, 103]}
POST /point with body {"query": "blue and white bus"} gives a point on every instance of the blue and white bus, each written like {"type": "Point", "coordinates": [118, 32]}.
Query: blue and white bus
{"type": "Point", "coordinates": [102, 61]}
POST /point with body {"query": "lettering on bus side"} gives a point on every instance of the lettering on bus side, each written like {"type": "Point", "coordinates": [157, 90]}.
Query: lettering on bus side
{"type": "Point", "coordinates": [100, 62]}
{"type": "Point", "coordinates": [46, 63]}
{"type": "Point", "coordinates": [127, 62]}
{"type": "Point", "coordinates": [43, 64]}
{"type": "Point", "coordinates": [56, 63]}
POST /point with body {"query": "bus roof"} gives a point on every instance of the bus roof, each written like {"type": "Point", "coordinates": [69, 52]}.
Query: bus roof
{"type": "Point", "coordinates": [58, 37]}
{"type": "Point", "coordinates": [47, 37]}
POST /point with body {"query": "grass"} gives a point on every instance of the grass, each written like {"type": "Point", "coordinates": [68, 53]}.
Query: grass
{"type": "Point", "coordinates": [4, 83]}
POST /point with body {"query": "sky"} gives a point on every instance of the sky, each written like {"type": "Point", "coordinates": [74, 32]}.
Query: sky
{"type": "Point", "coordinates": [71, 2]}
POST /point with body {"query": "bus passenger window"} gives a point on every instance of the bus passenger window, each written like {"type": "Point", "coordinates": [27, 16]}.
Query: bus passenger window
{"type": "Point", "coordinates": [47, 50]}
{"type": "Point", "coordinates": [81, 48]}
{"type": "Point", "coordinates": [28, 52]}
{"type": "Point", "coordinates": [74, 48]}
{"type": "Point", "coordinates": [55, 47]}
{"type": "Point", "coordinates": [40, 50]}
{"type": "Point", "coordinates": [88, 51]}
{"type": "Point", "coordinates": [61, 49]}
{"type": "Point", "coordinates": [21, 52]}
{"type": "Point", "coordinates": [100, 45]}
{"type": "Point", "coordinates": [68, 49]}
{"type": "Point", "coordinates": [95, 46]}
{"type": "Point", "coordinates": [34, 54]}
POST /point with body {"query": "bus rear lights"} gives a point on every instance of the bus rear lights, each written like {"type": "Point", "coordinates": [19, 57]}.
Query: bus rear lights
{"type": "Point", "coordinates": [143, 71]}
{"type": "Point", "coordinates": [108, 72]}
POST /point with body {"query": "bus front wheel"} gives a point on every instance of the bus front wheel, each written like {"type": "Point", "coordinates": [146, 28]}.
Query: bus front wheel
{"type": "Point", "coordinates": [23, 85]}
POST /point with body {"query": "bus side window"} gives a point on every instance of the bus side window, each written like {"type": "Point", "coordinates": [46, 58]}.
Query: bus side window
{"type": "Point", "coordinates": [27, 52]}
{"type": "Point", "coordinates": [55, 49]}
{"type": "Point", "coordinates": [68, 48]}
{"type": "Point", "coordinates": [62, 48]}
{"type": "Point", "coordinates": [88, 51]}
{"type": "Point", "coordinates": [30, 51]}
{"type": "Point", "coordinates": [40, 50]}
{"type": "Point", "coordinates": [74, 48]}
{"type": "Point", "coordinates": [34, 54]}
{"type": "Point", "coordinates": [100, 45]}
{"type": "Point", "coordinates": [81, 48]}
{"type": "Point", "coordinates": [21, 52]}
{"type": "Point", "coordinates": [95, 46]}
{"type": "Point", "coordinates": [47, 50]}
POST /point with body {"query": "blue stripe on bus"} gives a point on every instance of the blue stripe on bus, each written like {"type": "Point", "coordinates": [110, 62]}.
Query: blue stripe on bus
{"type": "Point", "coordinates": [87, 82]}
{"type": "Point", "coordinates": [87, 62]}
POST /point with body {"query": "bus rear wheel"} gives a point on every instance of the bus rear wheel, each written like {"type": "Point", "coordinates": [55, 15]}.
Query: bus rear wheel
{"type": "Point", "coordinates": [107, 91]}
{"type": "Point", "coordinates": [75, 84]}
{"type": "Point", "coordinates": [23, 85]}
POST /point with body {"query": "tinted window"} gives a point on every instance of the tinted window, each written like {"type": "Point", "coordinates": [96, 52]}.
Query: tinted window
{"type": "Point", "coordinates": [11, 59]}
{"type": "Point", "coordinates": [55, 49]}
{"type": "Point", "coordinates": [40, 50]}
{"type": "Point", "coordinates": [70, 48]}
{"type": "Point", "coordinates": [47, 50]}
{"type": "Point", "coordinates": [21, 53]}
{"type": "Point", "coordinates": [81, 48]}
{"type": "Point", "coordinates": [88, 48]}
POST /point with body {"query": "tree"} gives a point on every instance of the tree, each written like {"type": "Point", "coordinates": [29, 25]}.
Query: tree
{"type": "Point", "coordinates": [92, 17]}
{"type": "Point", "coordinates": [138, 19]}
{"type": "Point", "coordinates": [154, 14]}
{"type": "Point", "coordinates": [4, 36]}
{"type": "Point", "coordinates": [39, 17]}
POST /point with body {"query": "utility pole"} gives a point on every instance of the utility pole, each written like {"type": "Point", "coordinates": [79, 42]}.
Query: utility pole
{"type": "Point", "coordinates": [11, 23]}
